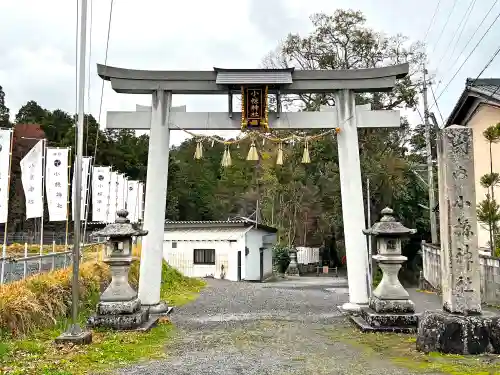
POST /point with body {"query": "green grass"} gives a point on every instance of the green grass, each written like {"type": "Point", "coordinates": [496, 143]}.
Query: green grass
{"type": "Point", "coordinates": [38, 354]}
{"type": "Point", "coordinates": [400, 350]}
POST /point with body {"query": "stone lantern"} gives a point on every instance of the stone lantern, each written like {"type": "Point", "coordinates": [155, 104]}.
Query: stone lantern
{"type": "Point", "coordinates": [119, 308]}
{"type": "Point", "coordinates": [293, 267]}
{"type": "Point", "coordinates": [390, 307]}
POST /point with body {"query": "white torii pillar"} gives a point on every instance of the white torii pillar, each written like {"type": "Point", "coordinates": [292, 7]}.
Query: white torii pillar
{"type": "Point", "coordinates": [344, 115]}
{"type": "Point", "coordinates": [155, 201]}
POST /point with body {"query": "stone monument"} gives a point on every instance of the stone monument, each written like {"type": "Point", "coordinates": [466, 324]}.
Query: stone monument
{"type": "Point", "coordinates": [293, 267]}
{"type": "Point", "coordinates": [390, 308]}
{"type": "Point", "coordinates": [460, 328]}
{"type": "Point", "coordinates": [119, 308]}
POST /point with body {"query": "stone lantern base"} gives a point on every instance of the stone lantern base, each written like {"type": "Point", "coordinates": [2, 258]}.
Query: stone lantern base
{"type": "Point", "coordinates": [389, 309]}
{"type": "Point", "coordinates": [122, 316]}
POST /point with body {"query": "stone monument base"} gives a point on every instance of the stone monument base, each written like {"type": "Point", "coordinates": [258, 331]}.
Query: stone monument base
{"type": "Point", "coordinates": [122, 316]}
{"type": "Point", "coordinates": [440, 331]}
{"type": "Point", "coordinates": [369, 320]}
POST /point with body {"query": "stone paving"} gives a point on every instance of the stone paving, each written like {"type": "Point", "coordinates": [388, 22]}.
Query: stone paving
{"type": "Point", "coordinates": [271, 328]}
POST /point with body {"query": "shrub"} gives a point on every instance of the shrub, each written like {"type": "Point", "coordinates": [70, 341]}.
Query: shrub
{"type": "Point", "coordinates": [281, 257]}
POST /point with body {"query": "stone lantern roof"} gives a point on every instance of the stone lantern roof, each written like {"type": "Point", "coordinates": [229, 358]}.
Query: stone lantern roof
{"type": "Point", "coordinates": [120, 228]}
{"type": "Point", "coordinates": [388, 226]}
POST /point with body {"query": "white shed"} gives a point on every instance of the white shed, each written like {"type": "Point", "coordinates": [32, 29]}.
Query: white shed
{"type": "Point", "coordinates": [234, 250]}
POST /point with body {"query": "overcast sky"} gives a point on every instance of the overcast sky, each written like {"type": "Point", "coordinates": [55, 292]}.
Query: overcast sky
{"type": "Point", "coordinates": [37, 43]}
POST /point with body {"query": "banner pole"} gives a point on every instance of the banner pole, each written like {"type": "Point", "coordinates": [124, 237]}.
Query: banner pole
{"type": "Point", "coordinates": [4, 246]}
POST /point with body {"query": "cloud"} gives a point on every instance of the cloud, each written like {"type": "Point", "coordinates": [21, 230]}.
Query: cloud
{"type": "Point", "coordinates": [37, 58]}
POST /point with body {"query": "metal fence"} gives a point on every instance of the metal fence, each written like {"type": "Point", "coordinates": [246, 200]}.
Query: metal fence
{"type": "Point", "coordinates": [31, 238]}
{"type": "Point", "coordinates": [17, 268]}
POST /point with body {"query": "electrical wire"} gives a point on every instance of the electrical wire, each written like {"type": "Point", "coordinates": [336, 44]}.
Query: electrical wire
{"type": "Point", "coordinates": [445, 24]}
{"type": "Point", "coordinates": [76, 65]}
{"type": "Point", "coordinates": [471, 7]}
{"type": "Point", "coordinates": [488, 64]}
{"type": "Point", "coordinates": [432, 21]}
{"type": "Point", "coordinates": [470, 40]}
{"type": "Point", "coordinates": [467, 58]}
{"type": "Point", "coordinates": [89, 80]}
{"type": "Point", "coordinates": [457, 34]}
{"type": "Point", "coordinates": [437, 105]}
{"type": "Point", "coordinates": [100, 103]}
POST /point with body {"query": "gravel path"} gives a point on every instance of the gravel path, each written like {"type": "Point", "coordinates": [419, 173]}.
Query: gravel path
{"type": "Point", "coordinates": [272, 328]}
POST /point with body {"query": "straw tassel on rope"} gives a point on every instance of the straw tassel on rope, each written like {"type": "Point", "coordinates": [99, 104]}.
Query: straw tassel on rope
{"type": "Point", "coordinates": [305, 156]}
{"type": "Point", "coordinates": [198, 154]}
{"type": "Point", "coordinates": [279, 157]}
{"type": "Point", "coordinates": [226, 158]}
{"type": "Point", "coordinates": [252, 153]}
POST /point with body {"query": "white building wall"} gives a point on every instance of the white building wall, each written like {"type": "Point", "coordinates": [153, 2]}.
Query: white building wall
{"type": "Point", "coordinates": [181, 258]}
{"type": "Point", "coordinates": [254, 243]}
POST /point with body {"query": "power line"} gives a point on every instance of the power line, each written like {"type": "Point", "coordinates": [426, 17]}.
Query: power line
{"type": "Point", "coordinates": [88, 83]}
{"type": "Point", "coordinates": [471, 37]}
{"type": "Point", "coordinates": [445, 24]}
{"type": "Point", "coordinates": [432, 20]}
{"type": "Point", "coordinates": [470, 54]}
{"type": "Point", "coordinates": [471, 7]}
{"type": "Point", "coordinates": [100, 105]}
{"type": "Point", "coordinates": [465, 18]}
{"type": "Point", "coordinates": [435, 101]}
{"type": "Point", "coordinates": [488, 63]}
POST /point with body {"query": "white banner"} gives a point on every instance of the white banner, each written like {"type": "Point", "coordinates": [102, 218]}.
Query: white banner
{"type": "Point", "coordinates": [85, 178]}
{"type": "Point", "coordinates": [141, 201]}
{"type": "Point", "coordinates": [133, 201]}
{"type": "Point", "coordinates": [5, 143]}
{"type": "Point", "coordinates": [113, 190]}
{"type": "Point", "coordinates": [31, 177]}
{"type": "Point", "coordinates": [56, 183]}
{"type": "Point", "coordinates": [120, 197]}
{"type": "Point", "coordinates": [100, 193]}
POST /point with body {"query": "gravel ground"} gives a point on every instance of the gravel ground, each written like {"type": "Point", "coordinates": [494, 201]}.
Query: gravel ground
{"type": "Point", "coordinates": [272, 328]}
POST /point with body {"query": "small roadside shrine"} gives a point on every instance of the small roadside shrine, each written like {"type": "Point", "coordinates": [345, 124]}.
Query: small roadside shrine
{"type": "Point", "coordinates": [234, 250]}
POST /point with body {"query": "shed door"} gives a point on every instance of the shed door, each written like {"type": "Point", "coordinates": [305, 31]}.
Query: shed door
{"type": "Point", "coordinates": [261, 263]}
{"type": "Point", "coordinates": [239, 265]}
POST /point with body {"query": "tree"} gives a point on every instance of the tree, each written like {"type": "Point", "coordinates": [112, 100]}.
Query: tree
{"type": "Point", "coordinates": [4, 111]}
{"type": "Point", "coordinates": [342, 41]}
{"type": "Point", "coordinates": [31, 113]}
{"type": "Point", "coordinates": [488, 210]}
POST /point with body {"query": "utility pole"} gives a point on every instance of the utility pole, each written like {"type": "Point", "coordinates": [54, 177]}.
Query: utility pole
{"type": "Point", "coordinates": [430, 167]}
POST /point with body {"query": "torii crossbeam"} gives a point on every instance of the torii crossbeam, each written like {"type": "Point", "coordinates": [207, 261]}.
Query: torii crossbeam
{"type": "Point", "coordinates": [161, 117]}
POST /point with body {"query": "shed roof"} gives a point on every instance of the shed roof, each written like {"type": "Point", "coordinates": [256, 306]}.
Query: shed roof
{"type": "Point", "coordinates": [476, 92]}
{"type": "Point", "coordinates": [205, 234]}
{"type": "Point", "coordinates": [217, 224]}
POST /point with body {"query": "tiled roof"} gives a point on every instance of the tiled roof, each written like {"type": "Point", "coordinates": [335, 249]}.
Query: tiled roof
{"type": "Point", "coordinates": [477, 91]}
{"type": "Point", "coordinates": [217, 223]}
{"type": "Point", "coordinates": [205, 234]}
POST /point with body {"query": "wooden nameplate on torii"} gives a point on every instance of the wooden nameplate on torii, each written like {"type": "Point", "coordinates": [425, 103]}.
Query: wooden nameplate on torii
{"type": "Point", "coordinates": [254, 108]}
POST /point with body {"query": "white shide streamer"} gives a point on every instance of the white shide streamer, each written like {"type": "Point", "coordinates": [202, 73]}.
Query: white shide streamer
{"type": "Point", "coordinates": [100, 193]}
{"type": "Point", "coordinates": [56, 183]}
{"type": "Point", "coordinates": [133, 201]}
{"type": "Point", "coordinates": [112, 197]}
{"type": "Point", "coordinates": [141, 200]}
{"type": "Point", "coordinates": [31, 177]}
{"type": "Point", "coordinates": [5, 144]}
{"type": "Point", "coordinates": [85, 177]}
{"type": "Point", "coordinates": [120, 195]}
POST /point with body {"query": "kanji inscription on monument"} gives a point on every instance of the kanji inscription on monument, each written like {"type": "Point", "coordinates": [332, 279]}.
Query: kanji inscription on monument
{"type": "Point", "coordinates": [459, 258]}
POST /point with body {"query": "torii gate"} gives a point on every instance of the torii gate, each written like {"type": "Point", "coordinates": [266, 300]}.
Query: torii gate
{"type": "Point", "coordinates": [161, 117]}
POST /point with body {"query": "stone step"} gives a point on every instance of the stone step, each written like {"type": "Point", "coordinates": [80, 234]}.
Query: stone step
{"type": "Point", "coordinates": [388, 319]}
{"type": "Point", "coordinates": [365, 327]}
